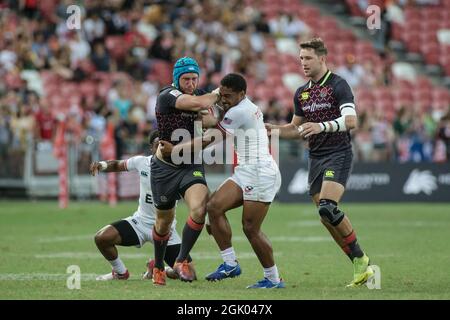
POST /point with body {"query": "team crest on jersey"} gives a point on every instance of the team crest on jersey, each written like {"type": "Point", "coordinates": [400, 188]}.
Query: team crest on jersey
{"type": "Point", "coordinates": [305, 95]}
{"type": "Point", "coordinates": [323, 92]}
{"type": "Point", "coordinates": [175, 93]}
{"type": "Point", "coordinates": [163, 199]}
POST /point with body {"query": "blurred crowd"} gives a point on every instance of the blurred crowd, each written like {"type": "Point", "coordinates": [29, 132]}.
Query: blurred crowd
{"type": "Point", "coordinates": [123, 54]}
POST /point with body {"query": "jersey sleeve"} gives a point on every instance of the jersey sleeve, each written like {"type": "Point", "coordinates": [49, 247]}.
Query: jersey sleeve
{"type": "Point", "coordinates": [168, 98]}
{"type": "Point", "coordinates": [344, 96]}
{"type": "Point", "coordinates": [233, 119]}
{"type": "Point", "coordinates": [297, 107]}
{"type": "Point", "coordinates": [131, 164]}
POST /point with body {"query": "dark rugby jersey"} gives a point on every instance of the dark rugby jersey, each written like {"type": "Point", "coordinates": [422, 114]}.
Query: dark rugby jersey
{"type": "Point", "coordinates": [323, 101]}
{"type": "Point", "coordinates": [170, 118]}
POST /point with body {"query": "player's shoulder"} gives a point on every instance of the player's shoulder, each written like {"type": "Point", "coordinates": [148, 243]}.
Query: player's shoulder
{"type": "Point", "coordinates": [137, 161]}
{"type": "Point", "coordinates": [170, 91]}
{"type": "Point", "coordinates": [246, 106]}
{"type": "Point", "coordinates": [302, 88]}
{"type": "Point", "coordinates": [336, 80]}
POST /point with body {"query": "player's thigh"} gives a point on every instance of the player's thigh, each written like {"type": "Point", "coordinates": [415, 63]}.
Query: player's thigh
{"type": "Point", "coordinates": [131, 231]}
{"type": "Point", "coordinates": [253, 214]}
{"type": "Point", "coordinates": [228, 196]}
{"type": "Point", "coordinates": [332, 190]}
{"type": "Point", "coordinates": [108, 234]}
{"type": "Point", "coordinates": [196, 196]}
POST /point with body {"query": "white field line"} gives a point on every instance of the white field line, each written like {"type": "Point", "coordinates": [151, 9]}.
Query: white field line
{"type": "Point", "coordinates": [43, 276]}
{"type": "Point", "coordinates": [97, 255]}
{"type": "Point", "coordinates": [236, 238]}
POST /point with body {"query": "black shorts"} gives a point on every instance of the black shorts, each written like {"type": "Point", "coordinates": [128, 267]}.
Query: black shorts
{"type": "Point", "coordinates": [127, 233]}
{"type": "Point", "coordinates": [334, 167]}
{"type": "Point", "coordinates": [169, 183]}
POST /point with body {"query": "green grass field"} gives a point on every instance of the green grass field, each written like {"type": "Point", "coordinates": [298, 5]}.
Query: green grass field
{"type": "Point", "coordinates": [408, 241]}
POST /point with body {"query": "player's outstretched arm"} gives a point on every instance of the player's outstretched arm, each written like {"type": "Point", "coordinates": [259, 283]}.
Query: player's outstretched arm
{"type": "Point", "coordinates": [197, 103]}
{"type": "Point", "coordinates": [107, 166]}
{"type": "Point", "coordinates": [287, 131]}
{"type": "Point", "coordinates": [347, 121]}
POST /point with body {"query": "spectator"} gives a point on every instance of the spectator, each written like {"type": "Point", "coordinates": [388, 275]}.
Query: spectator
{"type": "Point", "coordinates": [45, 122]}
{"type": "Point", "coordinates": [352, 72]}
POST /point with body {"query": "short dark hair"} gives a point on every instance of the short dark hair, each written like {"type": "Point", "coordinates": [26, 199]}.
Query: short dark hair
{"type": "Point", "coordinates": [235, 82]}
{"type": "Point", "coordinates": [316, 44]}
{"type": "Point", "coordinates": [152, 136]}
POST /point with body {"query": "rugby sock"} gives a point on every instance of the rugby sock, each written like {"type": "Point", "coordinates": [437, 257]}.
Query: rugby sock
{"type": "Point", "coordinates": [118, 266]}
{"type": "Point", "coordinates": [229, 257]}
{"type": "Point", "coordinates": [191, 231]}
{"type": "Point", "coordinates": [160, 243]}
{"type": "Point", "coordinates": [172, 254]}
{"type": "Point", "coordinates": [353, 245]}
{"type": "Point", "coordinates": [272, 274]}
{"type": "Point", "coordinates": [348, 252]}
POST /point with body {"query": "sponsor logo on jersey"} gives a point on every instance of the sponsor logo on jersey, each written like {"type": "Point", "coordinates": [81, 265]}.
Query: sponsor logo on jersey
{"type": "Point", "coordinates": [197, 174]}
{"type": "Point", "coordinates": [305, 95]}
{"type": "Point", "coordinates": [175, 93]}
{"type": "Point", "coordinates": [144, 174]}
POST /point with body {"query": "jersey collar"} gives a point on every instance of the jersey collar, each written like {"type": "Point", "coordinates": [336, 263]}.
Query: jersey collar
{"type": "Point", "coordinates": [321, 81]}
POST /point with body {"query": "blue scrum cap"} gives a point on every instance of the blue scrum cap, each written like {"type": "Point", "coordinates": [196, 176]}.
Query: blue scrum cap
{"type": "Point", "coordinates": [182, 66]}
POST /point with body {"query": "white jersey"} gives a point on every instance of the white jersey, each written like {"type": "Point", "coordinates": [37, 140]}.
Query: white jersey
{"type": "Point", "coordinates": [146, 209]}
{"type": "Point", "coordinates": [245, 121]}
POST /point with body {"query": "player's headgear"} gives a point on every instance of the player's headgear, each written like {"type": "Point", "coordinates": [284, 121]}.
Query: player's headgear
{"type": "Point", "coordinates": [182, 66]}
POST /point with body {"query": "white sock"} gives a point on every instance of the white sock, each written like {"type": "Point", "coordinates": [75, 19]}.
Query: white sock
{"type": "Point", "coordinates": [272, 274]}
{"type": "Point", "coordinates": [118, 266]}
{"type": "Point", "coordinates": [229, 257]}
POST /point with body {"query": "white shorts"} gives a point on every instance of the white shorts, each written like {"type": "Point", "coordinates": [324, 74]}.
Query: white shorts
{"type": "Point", "coordinates": [144, 230]}
{"type": "Point", "coordinates": [259, 182]}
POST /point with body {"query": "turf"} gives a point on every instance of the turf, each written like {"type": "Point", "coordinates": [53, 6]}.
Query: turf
{"type": "Point", "coordinates": [408, 241]}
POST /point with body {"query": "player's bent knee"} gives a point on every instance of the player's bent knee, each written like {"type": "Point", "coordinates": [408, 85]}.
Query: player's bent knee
{"type": "Point", "coordinates": [213, 208]}
{"type": "Point", "coordinates": [329, 212]}
{"type": "Point", "coordinates": [250, 231]}
{"type": "Point", "coordinates": [198, 213]}
{"type": "Point", "coordinates": [105, 236]}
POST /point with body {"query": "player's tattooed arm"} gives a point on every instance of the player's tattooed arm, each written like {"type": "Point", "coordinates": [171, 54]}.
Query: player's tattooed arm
{"type": "Point", "coordinates": [107, 166]}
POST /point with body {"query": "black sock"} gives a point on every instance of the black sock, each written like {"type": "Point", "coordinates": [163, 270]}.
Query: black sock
{"type": "Point", "coordinates": [160, 243]}
{"type": "Point", "coordinates": [352, 243]}
{"type": "Point", "coordinates": [348, 252]}
{"type": "Point", "coordinates": [172, 254]}
{"type": "Point", "coordinates": [191, 232]}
